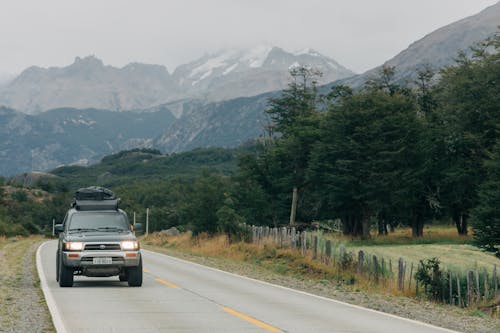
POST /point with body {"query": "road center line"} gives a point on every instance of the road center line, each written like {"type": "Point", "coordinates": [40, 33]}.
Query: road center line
{"type": "Point", "coordinates": [167, 283]}
{"type": "Point", "coordinates": [251, 320]}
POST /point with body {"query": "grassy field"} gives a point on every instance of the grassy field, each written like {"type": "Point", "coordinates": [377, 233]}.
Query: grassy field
{"type": "Point", "coordinates": [443, 242]}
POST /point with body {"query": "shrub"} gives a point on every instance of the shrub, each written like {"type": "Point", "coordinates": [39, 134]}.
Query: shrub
{"type": "Point", "coordinates": [429, 274]}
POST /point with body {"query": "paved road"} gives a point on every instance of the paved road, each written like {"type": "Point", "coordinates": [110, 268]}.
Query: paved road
{"type": "Point", "coordinates": [178, 296]}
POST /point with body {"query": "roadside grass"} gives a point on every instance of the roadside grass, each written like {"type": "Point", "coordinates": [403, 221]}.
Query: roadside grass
{"type": "Point", "coordinates": [453, 251]}
{"type": "Point", "coordinates": [12, 254]}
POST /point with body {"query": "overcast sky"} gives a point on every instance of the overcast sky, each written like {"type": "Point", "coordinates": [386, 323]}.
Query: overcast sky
{"type": "Point", "coordinates": [359, 34]}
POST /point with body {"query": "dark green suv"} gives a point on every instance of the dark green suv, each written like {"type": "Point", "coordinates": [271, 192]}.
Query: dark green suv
{"type": "Point", "coordinates": [96, 239]}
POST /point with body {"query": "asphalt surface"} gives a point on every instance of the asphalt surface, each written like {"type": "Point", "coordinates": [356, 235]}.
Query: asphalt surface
{"type": "Point", "coordinates": [179, 296]}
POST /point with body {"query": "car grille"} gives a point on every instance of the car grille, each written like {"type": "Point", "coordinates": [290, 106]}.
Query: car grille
{"type": "Point", "coordinates": [102, 247]}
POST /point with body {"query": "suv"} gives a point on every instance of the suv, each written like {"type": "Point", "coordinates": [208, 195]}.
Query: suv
{"type": "Point", "coordinates": [96, 239]}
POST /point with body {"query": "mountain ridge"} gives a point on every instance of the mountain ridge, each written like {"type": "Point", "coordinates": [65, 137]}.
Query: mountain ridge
{"type": "Point", "coordinates": [89, 83]}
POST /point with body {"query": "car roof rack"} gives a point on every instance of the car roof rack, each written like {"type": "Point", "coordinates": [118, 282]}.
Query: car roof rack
{"type": "Point", "coordinates": [95, 198]}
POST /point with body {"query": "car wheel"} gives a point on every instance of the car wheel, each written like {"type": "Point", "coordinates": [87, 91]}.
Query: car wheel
{"type": "Point", "coordinates": [65, 275]}
{"type": "Point", "coordinates": [57, 266]}
{"type": "Point", "coordinates": [135, 275]}
{"type": "Point", "coordinates": [123, 276]}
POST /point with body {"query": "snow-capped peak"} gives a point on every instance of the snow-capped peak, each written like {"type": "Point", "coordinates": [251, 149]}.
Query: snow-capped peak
{"type": "Point", "coordinates": [307, 51]}
{"type": "Point", "coordinates": [256, 56]}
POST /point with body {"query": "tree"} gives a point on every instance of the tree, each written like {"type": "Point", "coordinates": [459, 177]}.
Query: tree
{"type": "Point", "coordinates": [296, 116]}
{"type": "Point", "coordinates": [486, 215]}
{"type": "Point", "coordinates": [469, 105]}
{"type": "Point", "coordinates": [365, 162]}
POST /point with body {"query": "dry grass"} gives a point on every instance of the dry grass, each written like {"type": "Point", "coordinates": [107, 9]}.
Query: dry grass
{"type": "Point", "coordinates": [282, 261]}
{"type": "Point", "coordinates": [432, 234]}
{"type": "Point", "coordinates": [448, 247]}
{"type": "Point", "coordinates": [11, 255]}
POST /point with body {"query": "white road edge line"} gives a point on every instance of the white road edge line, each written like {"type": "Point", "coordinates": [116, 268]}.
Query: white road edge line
{"type": "Point", "coordinates": [51, 304]}
{"type": "Point", "coordinates": [306, 293]}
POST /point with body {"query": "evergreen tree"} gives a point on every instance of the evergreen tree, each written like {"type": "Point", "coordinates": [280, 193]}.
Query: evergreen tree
{"type": "Point", "coordinates": [486, 215]}
{"type": "Point", "coordinates": [469, 110]}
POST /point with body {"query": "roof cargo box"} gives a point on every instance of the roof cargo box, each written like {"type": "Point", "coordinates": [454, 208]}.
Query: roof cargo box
{"type": "Point", "coordinates": [95, 198]}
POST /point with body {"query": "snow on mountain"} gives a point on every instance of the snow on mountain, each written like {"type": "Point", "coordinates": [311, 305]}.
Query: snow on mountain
{"type": "Point", "coordinates": [227, 74]}
{"type": "Point", "coordinates": [247, 72]}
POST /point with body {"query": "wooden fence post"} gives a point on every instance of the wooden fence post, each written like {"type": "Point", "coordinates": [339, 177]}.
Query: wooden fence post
{"type": "Point", "coordinates": [341, 255]}
{"type": "Point", "coordinates": [375, 267]}
{"type": "Point", "coordinates": [328, 251]}
{"type": "Point", "coordinates": [315, 249]}
{"type": "Point", "coordinates": [495, 282]}
{"type": "Point", "coordinates": [411, 276]}
{"type": "Point", "coordinates": [283, 237]}
{"type": "Point", "coordinates": [304, 245]}
{"type": "Point", "coordinates": [400, 274]}
{"type": "Point", "coordinates": [361, 260]}
{"type": "Point", "coordinates": [459, 292]}
{"type": "Point", "coordinates": [293, 238]}
{"type": "Point", "coordinates": [470, 277]}
{"type": "Point", "coordinates": [486, 287]}
{"type": "Point", "coordinates": [478, 291]}
{"type": "Point", "coordinates": [450, 286]}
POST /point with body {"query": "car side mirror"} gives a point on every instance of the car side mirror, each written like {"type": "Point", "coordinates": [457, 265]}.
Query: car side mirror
{"type": "Point", "coordinates": [138, 227]}
{"type": "Point", "coordinates": [58, 228]}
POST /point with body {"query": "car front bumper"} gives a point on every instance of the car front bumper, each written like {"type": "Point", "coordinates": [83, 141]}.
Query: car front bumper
{"type": "Point", "coordinates": [85, 259]}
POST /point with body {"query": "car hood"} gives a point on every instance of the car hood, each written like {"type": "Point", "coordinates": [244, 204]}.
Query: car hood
{"type": "Point", "coordinates": [100, 236]}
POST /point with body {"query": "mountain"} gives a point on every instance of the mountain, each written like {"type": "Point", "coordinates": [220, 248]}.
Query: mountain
{"type": "Point", "coordinates": [88, 83]}
{"type": "Point", "coordinates": [81, 137]}
{"type": "Point", "coordinates": [219, 124]}
{"type": "Point", "coordinates": [437, 49]}
{"type": "Point", "coordinates": [241, 73]}
{"type": "Point", "coordinates": [70, 136]}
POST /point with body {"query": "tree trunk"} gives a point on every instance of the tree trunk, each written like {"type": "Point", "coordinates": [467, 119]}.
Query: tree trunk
{"type": "Point", "coordinates": [365, 226]}
{"type": "Point", "coordinates": [382, 225]}
{"type": "Point", "coordinates": [293, 210]}
{"type": "Point", "coordinates": [417, 226]}
{"type": "Point", "coordinates": [461, 223]}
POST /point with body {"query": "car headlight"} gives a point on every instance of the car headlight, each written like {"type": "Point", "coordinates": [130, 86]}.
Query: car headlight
{"type": "Point", "coordinates": [130, 245]}
{"type": "Point", "coordinates": [73, 246]}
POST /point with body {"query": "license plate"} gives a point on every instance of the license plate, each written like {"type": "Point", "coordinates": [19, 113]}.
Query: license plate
{"type": "Point", "coordinates": [102, 261]}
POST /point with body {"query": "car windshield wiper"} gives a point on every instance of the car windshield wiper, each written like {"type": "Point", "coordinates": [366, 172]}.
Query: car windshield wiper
{"type": "Point", "coordinates": [82, 229]}
{"type": "Point", "coordinates": [111, 229]}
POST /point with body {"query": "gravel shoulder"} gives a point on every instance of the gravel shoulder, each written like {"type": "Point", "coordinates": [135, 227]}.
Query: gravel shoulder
{"type": "Point", "coordinates": [22, 305]}
{"type": "Point", "coordinates": [454, 318]}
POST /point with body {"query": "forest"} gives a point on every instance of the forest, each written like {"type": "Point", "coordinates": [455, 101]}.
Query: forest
{"type": "Point", "coordinates": [386, 155]}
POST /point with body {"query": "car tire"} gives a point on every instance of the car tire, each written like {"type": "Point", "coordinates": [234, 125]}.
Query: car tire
{"type": "Point", "coordinates": [65, 275]}
{"type": "Point", "coordinates": [57, 266]}
{"type": "Point", "coordinates": [123, 277]}
{"type": "Point", "coordinates": [135, 275]}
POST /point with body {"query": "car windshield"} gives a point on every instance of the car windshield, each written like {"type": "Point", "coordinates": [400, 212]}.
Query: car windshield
{"type": "Point", "coordinates": [98, 222]}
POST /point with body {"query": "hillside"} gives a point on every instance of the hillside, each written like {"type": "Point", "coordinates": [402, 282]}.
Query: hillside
{"type": "Point", "coordinates": [71, 136]}
{"type": "Point", "coordinates": [437, 49]}
{"type": "Point", "coordinates": [147, 165]}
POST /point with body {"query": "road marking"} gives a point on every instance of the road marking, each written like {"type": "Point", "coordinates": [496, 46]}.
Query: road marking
{"type": "Point", "coordinates": [167, 283]}
{"type": "Point", "coordinates": [145, 270]}
{"type": "Point", "coordinates": [303, 292]}
{"type": "Point", "coordinates": [251, 320]}
{"type": "Point", "coordinates": [49, 299]}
